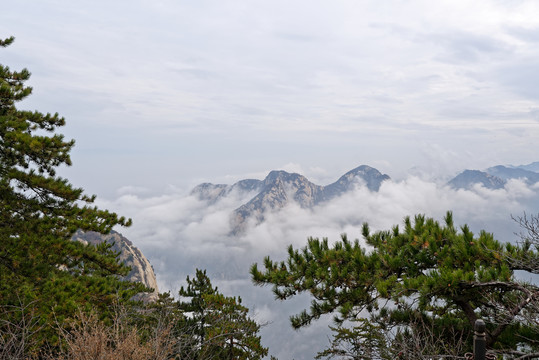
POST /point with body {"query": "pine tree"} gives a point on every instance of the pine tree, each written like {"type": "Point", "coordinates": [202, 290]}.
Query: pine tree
{"type": "Point", "coordinates": [428, 279]}
{"type": "Point", "coordinates": [40, 211]}
{"type": "Point", "coordinates": [194, 325]}
{"type": "Point", "coordinates": [216, 326]}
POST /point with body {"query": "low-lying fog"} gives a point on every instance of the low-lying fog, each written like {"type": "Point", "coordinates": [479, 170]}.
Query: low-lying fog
{"type": "Point", "coordinates": [178, 233]}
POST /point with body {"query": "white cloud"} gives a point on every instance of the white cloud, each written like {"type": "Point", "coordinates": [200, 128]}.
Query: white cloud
{"type": "Point", "coordinates": [180, 233]}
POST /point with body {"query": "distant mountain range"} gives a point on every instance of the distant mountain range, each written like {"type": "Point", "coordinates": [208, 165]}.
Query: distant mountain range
{"type": "Point", "coordinates": [496, 177]}
{"type": "Point", "coordinates": [281, 188]}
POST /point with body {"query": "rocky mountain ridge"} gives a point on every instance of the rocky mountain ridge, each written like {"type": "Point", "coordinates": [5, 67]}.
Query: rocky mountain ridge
{"type": "Point", "coordinates": [281, 188]}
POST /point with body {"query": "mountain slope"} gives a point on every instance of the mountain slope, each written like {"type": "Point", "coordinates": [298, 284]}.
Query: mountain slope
{"type": "Point", "coordinates": [278, 189]}
{"type": "Point", "coordinates": [507, 173]}
{"type": "Point", "coordinates": [534, 166]}
{"type": "Point", "coordinates": [468, 178]}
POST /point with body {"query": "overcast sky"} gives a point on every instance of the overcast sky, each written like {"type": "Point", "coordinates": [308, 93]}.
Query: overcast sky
{"type": "Point", "coordinates": [171, 93]}
{"type": "Point", "coordinates": [163, 95]}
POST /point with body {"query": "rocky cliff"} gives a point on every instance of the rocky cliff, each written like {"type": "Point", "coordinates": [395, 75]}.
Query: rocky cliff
{"type": "Point", "coordinates": [130, 255]}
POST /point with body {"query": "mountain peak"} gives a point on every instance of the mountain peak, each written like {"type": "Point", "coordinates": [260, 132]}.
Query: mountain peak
{"type": "Point", "coordinates": [282, 175]}
{"type": "Point", "coordinates": [362, 174]}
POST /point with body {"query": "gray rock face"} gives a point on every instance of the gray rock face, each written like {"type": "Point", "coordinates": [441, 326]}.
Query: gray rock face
{"type": "Point", "coordinates": [130, 255]}
{"type": "Point", "coordinates": [277, 190]}
{"type": "Point", "coordinates": [468, 178]}
{"type": "Point", "coordinates": [280, 188]}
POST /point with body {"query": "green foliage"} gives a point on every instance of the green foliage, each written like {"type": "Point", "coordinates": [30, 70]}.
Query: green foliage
{"type": "Point", "coordinates": [39, 212]}
{"type": "Point", "coordinates": [217, 327]}
{"type": "Point", "coordinates": [445, 277]}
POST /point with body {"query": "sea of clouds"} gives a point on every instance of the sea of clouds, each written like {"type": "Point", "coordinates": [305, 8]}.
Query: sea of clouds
{"type": "Point", "coordinates": [179, 233]}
